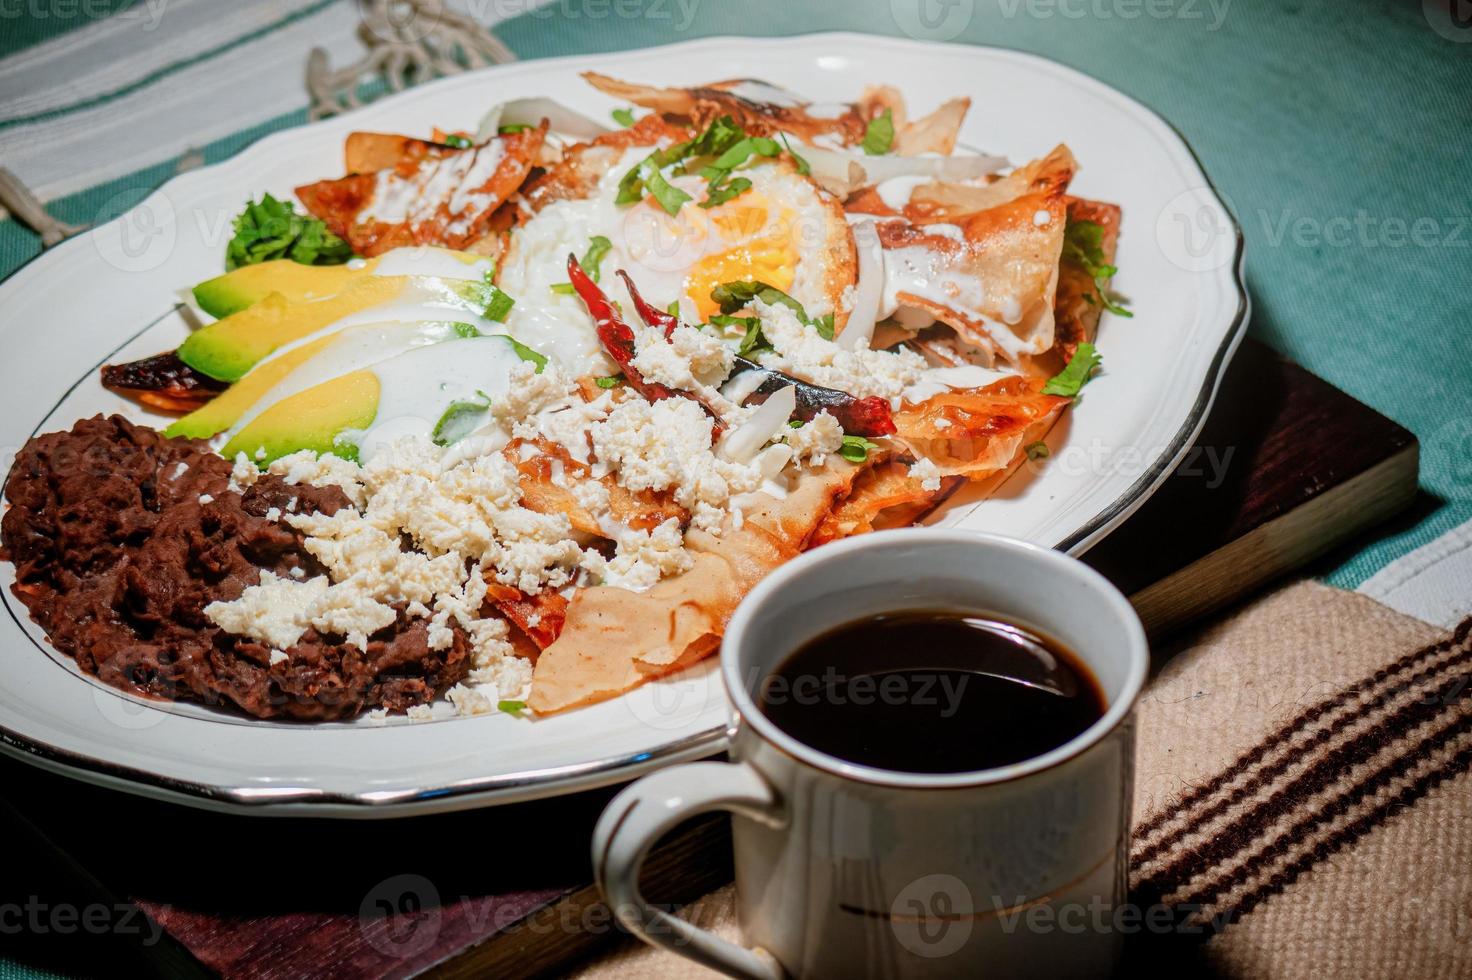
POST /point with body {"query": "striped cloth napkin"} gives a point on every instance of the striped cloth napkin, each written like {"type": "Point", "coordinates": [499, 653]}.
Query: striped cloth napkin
{"type": "Point", "coordinates": [1302, 802]}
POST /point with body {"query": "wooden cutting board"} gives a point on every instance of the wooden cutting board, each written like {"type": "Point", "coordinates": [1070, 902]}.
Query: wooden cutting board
{"type": "Point", "coordinates": [1286, 469]}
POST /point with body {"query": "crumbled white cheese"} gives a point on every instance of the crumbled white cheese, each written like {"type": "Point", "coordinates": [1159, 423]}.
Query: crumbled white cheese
{"type": "Point", "coordinates": [799, 351]}
{"type": "Point", "coordinates": [325, 470]}
{"type": "Point", "coordinates": [277, 657]}
{"type": "Point", "coordinates": [666, 445]}
{"type": "Point", "coordinates": [642, 558]}
{"type": "Point", "coordinates": [814, 441]}
{"type": "Point", "coordinates": [927, 473]}
{"type": "Point", "coordinates": [244, 475]}
{"type": "Point", "coordinates": [691, 360]}
{"type": "Point", "coordinates": [278, 611]}
{"type": "Point", "coordinates": [205, 498]}
{"type": "Point", "coordinates": [275, 612]}
{"type": "Point", "coordinates": [274, 514]}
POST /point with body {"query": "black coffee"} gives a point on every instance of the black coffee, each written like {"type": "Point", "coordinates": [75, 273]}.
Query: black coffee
{"type": "Point", "coordinates": [932, 691]}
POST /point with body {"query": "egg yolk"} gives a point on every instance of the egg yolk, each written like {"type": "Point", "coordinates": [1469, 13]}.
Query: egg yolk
{"type": "Point", "coordinates": [761, 253]}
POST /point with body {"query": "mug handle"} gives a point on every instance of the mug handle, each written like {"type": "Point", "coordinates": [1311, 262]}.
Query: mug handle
{"type": "Point", "coordinates": [644, 812]}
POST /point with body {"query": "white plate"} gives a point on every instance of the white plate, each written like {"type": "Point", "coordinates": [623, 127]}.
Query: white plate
{"type": "Point", "coordinates": [106, 296]}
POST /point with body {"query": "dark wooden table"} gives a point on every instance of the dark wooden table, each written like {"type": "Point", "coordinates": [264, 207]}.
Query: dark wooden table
{"type": "Point", "coordinates": [1286, 469]}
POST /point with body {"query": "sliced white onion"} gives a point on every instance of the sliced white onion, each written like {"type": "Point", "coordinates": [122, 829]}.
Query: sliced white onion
{"type": "Point", "coordinates": [842, 172]}
{"type": "Point", "coordinates": [868, 290]}
{"type": "Point", "coordinates": [531, 112]}
{"type": "Point", "coordinates": [742, 386]}
{"type": "Point", "coordinates": [765, 424]}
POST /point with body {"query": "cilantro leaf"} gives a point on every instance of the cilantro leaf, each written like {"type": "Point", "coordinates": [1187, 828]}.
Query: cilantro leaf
{"type": "Point", "coordinates": [856, 449]}
{"type": "Point", "coordinates": [674, 308]}
{"type": "Point", "coordinates": [719, 137]}
{"type": "Point", "coordinates": [624, 117]}
{"type": "Point", "coordinates": [271, 229]}
{"type": "Point", "coordinates": [494, 303]}
{"type": "Point", "coordinates": [666, 195]}
{"type": "Point", "coordinates": [802, 164]}
{"type": "Point", "coordinates": [511, 707]}
{"type": "Point", "coordinates": [458, 142]}
{"type": "Point", "coordinates": [525, 353]}
{"type": "Point", "coordinates": [460, 420]}
{"type": "Point", "coordinates": [1073, 377]}
{"type": "Point", "coordinates": [612, 381]}
{"type": "Point", "coordinates": [879, 134]}
{"type": "Point", "coordinates": [598, 247]}
{"type": "Point", "coordinates": [510, 128]}
{"type": "Point", "coordinates": [732, 296]}
{"type": "Point", "coordinates": [722, 191]}
{"type": "Point", "coordinates": [1083, 245]}
{"type": "Point", "coordinates": [753, 341]}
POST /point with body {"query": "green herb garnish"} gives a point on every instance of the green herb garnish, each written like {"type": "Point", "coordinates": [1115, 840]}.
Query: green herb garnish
{"type": "Point", "coordinates": [879, 134]}
{"type": "Point", "coordinates": [665, 194]}
{"type": "Point", "coordinates": [525, 353]}
{"type": "Point", "coordinates": [511, 707]}
{"type": "Point", "coordinates": [458, 142]}
{"type": "Point", "coordinates": [598, 247]}
{"type": "Point", "coordinates": [494, 303]}
{"type": "Point", "coordinates": [1038, 450]}
{"type": "Point", "coordinates": [721, 191]}
{"type": "Point", "coordinates": [624, 117]}
{"type": "Point", "coordinates": [510, 128]}
{"type": "Point", "coordinates": [1073, 377]}
{"type": "Point", "coordinates": [719, 138]}
{"type": "Point", "coordinates": [674, 308]}
{"type": "Point", "coordinates": [612, 381]}
{"type": "Point", "coordinates": [460, 420]}
{"type": "Point", "coordinates": [733, 296]}
{"type": "Point", "coordinates": [1083, 245]}
{"type": "Point", "coordinates": [802, 165]}
{"type": "Point", "coordinates": [271, 229]}
{"type": "Point", "coordinates": [856, 449]}
{"type": "Point", "coordinates": [465, 330]}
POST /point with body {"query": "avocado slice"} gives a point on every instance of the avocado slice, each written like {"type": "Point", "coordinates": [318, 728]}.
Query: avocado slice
{"type": "Point", "coordinates": [234, 291]}
{"type": "Point", "coordinates": [227, 408]}
{"type": "Point", "coordinates": [313, 419]}
{"type": "Point", "coordinates": [240, 288]}
{"type": "Point", "coordinates": [228, 348]}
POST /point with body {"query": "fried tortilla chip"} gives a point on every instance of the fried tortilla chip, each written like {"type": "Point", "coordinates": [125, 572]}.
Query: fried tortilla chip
{"type": "Point", "coordinates": [978, 432]}
{"type": "Point", "coordinates": [585, 164]}
{"type": "Point", "coordinates": [1077, 309]}
{"type": "Point", "coordinates": [614, 639]}
{"type": "Point", "coordinates": [982, 259]}
{"type": "Point", "coordinates": [414, 192]}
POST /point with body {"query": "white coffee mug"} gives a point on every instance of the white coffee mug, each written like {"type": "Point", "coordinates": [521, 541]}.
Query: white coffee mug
{"type": "Point", "coordinates": [846, 870]}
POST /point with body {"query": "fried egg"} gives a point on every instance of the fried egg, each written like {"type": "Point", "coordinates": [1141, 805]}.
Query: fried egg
{"type": "Point", "coordinates": [782, 231]}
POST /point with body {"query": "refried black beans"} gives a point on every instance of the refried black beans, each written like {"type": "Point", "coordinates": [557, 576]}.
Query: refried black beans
{"type": "Point", "coordinates": [116, 557]}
